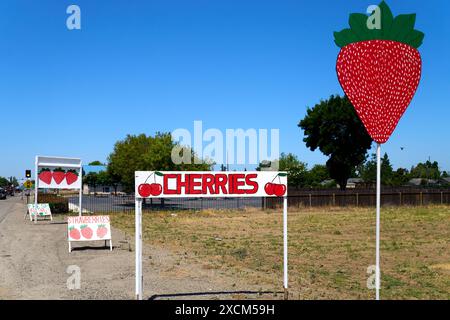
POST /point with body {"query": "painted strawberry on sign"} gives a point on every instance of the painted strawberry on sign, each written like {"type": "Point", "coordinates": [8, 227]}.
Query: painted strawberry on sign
{"type": "Point", "coordinates": [102, 231]}
{"type": "Point", "coordinates": [71, 176]}
{"type": "Point", "coordinates": [58, 175]}
{"type": "Point", "coordinates": [45, 175]}
{"type": "Point", "coordinates": [86, 232]}
{"type": "Point", "coordinates": [74, 233]}
{"type": "Point", "coordinates": [379, 67]}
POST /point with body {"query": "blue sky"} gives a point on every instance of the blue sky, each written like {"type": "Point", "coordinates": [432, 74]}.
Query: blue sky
{"type": "Point", "coordinates": [147, 66]}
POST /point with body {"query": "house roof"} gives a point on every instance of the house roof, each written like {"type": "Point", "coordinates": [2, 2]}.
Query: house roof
{"type": "Point", "coordinates": [355, 180]}
{"type": "Point", "coordinates": [418, 181]}
{"type": "Point", "coordinates": [325, 182]}
{"type": "Point", "coordinates": [96, 169]}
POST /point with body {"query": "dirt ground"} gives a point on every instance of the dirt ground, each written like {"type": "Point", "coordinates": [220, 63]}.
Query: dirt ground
{"type": "Point", "coordinates": [232, 254]}
{"type": "Point", "coordinates": [330, 249]}
{"type": "Point", "coordinates": [34, 259]}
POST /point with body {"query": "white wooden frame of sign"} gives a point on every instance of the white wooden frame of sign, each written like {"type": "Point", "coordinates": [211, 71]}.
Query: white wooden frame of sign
{"type": "Point", "coordinates": [263, 177]}
{"type": "Point", "coordinates": [58, 162]}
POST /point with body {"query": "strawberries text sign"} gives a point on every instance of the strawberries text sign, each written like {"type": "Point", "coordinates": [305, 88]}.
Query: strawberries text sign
{"type": "Point", "coordinates": [88, 228]}
{"type": "Point", "coordinates": [155, 184]}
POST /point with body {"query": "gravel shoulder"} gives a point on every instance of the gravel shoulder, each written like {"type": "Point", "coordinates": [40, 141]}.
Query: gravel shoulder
{"type": "Point", "coordinates": [34, 259]}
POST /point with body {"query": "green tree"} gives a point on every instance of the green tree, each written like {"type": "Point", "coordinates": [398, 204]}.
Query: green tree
{"type": "Point", "coordinates": [141, 152]}
{"type": "Point", "coordinates": [114, 178]}
{"type": "Point", "coordinates": [13, 181]}
{"type": "Point", "coordinates": [103, 179]}
{"type": "Point", "coordinates": [296, 169]}
{"type": "Point", "coordinates": [334, 128]}
{"type": "Point", "coordinates": [427, 170]}
{"type": "Point", "coordinates": [91, 179]}
{"type": "Point", "coordinates": [317, 175]}
{"type": "Point", "coordinates": [3, 182]}
{"type": "Point", "coordinates": [96, 163]}
{"type": "Point", "coordinates": [368, 171]}
{"type": "Point", "coordinates": [400, 177]}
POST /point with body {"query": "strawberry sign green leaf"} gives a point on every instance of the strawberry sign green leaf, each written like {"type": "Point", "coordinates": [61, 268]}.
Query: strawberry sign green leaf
{"type": "Point", "coordinates": [399, 28]}
{"type": "Point", "coordinates": [415, 38]}
{"type": "Point", "coordinates": [73, 171]}
{"type": "Point", "coordinates": [387, 18]}
{"type": "Point", "coordinates": [403, 24]}
{"type": "Point", "coordinates": [344, 37]}
{"type": "Point", "coordinates": [358, 25]}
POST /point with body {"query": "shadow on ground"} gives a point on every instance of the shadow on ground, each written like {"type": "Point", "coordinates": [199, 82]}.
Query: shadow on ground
{"type": "Point", "coordinates": [218, 293]}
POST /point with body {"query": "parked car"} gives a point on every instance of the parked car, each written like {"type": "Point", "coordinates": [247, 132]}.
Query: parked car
{"type": "Point", "coordinates": [2, 194]}
{"type": "Point", "coordinates": [10, 191]}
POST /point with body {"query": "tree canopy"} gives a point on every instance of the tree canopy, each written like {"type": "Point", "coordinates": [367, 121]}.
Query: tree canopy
{"type": "Point", "coordinates": [368, 171]}
{"type": "Point", "coordinates": [142, 152]}
{"type": "Point", "coordinates": [4, 182]}
{"type": "Point", "coordinates": [296, 169]}
{"type": "Point", "coordinates": [96, 163]}
{"type": "Point", "coordinates": [427, 170]}
{"type": "Point", "coordinates": [334, 128]}
{"type": "Point", "coordinates": [317, 175]}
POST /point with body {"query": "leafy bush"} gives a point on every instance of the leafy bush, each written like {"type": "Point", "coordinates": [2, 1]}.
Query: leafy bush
{"type": "Point", "coordinates": [57, 203]}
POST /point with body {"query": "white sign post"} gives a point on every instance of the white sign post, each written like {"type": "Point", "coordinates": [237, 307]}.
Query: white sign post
{"type": "Point", "coordinates": [207, 184]}
{"type": "Point", "coordinates": [377, 244]}
{"type": "Point", "coordinates": [58, 173]}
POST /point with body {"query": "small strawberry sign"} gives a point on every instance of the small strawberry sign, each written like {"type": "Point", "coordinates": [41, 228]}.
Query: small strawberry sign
{"type": "Point", "coordinates": [88, 228]}
{"type": "Point", "coordinates": [379, 69]}
{"type": "Point", "coordinates": [40, 210]}
{"type": "Point", "coordinates": [59, 173]}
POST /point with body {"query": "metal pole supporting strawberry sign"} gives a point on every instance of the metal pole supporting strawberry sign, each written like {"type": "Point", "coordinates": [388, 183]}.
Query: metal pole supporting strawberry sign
{"type": "Point", "coordinates": [379, 69]}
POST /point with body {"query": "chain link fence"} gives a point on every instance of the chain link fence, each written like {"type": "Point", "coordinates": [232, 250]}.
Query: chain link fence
{"type": "Point", "coordinates": [108, 203]}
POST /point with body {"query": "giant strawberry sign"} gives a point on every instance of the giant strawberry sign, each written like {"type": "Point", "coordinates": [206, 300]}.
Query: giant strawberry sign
{"type": "Point", "coordinates": [379, 68]}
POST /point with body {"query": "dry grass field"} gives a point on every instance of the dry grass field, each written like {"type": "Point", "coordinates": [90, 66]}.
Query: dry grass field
{"type": "Point", "coordinates": [330, 249]}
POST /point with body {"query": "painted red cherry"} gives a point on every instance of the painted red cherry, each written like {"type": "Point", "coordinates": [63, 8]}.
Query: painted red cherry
{"type": "Point", "coordinates": [156, 189]}
{"type": "Point", "coordinates": [145, 190]}
{"type": "Point", "coordinates": [269, 188]}
{"type": "Point", "coordinates": [279, 190]}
